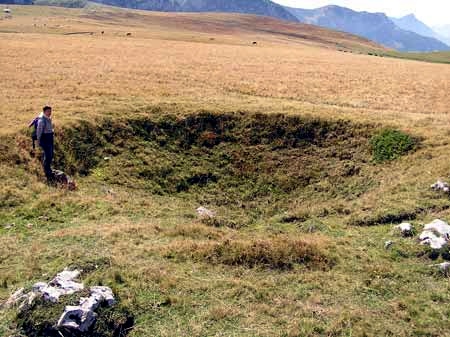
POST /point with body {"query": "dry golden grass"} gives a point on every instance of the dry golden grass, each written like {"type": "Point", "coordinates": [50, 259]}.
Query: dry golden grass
{"type": "Point", "coordinates": [280, 253]}
{"type": "Point", "coordinates": [170, 59]}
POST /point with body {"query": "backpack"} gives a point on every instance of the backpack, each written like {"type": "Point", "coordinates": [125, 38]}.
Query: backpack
{"type": "Point", "coordinates": [34, 125]}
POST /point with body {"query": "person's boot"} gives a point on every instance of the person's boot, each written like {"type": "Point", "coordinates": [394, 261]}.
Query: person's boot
{"type": "Point", "coordinates": [51, 181]}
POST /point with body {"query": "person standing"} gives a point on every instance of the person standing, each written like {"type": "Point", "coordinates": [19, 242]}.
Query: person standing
{"type": "Point", "coordinates": [44, 135]}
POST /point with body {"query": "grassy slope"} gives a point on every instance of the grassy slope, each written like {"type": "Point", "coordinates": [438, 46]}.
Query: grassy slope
{"type": "Point", "coordinates": [150, 247]}
{"type": "Point", "coordinates": [437, 57]}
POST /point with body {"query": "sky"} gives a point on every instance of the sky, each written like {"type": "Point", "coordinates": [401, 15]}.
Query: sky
{"type": "Point", "coordinates": [432, 12]}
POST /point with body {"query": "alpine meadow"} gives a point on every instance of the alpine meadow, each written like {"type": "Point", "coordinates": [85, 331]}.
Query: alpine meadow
{"type": "Point", "coordinates": [237, 175]}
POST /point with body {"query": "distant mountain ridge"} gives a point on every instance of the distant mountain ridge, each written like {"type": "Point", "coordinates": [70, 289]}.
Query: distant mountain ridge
{"type": "Point", "coordinates": [16, 2]}
{"type": "Point", "coordinates": [411, 23]}
{"type": "Point", "coordinates": [404, 34]}
{"type": "Point", "coordinates": [258, 7]}
{"type": "Point", "coordinates": [374, 26]}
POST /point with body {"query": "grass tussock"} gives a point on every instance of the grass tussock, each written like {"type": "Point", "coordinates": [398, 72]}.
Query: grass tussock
{"type": "Point", "coordinates": [281, 253]}
{"type": "Point", "coordinates": [391, 144]}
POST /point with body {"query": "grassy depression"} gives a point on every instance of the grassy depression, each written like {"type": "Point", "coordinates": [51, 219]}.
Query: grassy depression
{"type": "Point", "coordinates": [236, 162]}
{"type": "Point", "coordinates": [284, 188]}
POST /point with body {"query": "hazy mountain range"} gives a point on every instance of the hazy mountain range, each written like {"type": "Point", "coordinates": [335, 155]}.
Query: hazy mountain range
{"type": "Point", "coordinates": [259, 7]}
{"type": "Point", "coordinates": [404, 34]}
{"type": "Point", "coordinates": [411, 23]}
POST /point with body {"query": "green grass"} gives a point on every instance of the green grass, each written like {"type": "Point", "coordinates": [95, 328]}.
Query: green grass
{"type": "Point", "coordinates": [431, 57]}
{"type": "Point", "coordinates": [435, 57]}
{"type": "Point", "coordinates": [283, 257]}
{"type": "Point", "coordinates": [391, 144]}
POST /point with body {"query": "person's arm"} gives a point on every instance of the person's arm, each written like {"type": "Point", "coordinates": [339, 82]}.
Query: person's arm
{"type": "Point", "coordinates": [32, 123]}
{"type": "Point", "coordinates": [40, 129]}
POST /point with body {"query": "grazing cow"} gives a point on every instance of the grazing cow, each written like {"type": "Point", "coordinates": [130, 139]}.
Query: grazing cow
{"type": "Point", "coordinates": [255, 43]}
{"type": "Point", "coordinates": [103, 32]}
{"type": "Point", "coordinates": [128, 34]}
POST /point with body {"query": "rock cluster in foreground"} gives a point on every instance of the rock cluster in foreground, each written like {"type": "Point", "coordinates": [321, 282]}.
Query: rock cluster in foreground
{"type": "Point", "coordinates": [65, 305]}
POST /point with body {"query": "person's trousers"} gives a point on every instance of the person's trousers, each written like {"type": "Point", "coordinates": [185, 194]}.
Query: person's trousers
{"type": "Point", "coordinates": [46, 144]}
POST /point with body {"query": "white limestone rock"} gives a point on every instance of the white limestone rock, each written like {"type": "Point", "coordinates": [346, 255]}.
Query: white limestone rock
{"type": "Point", "coordinates": [15, 299]}
{"type": "Point", "coordinates": [388, 244]}
{"type": "Point", "coordinates": [443, 267]}
{"type": "Point", "coordinates": [205, 213]}
{"type": "Point", "coordinates": [77, 318]}
{"type": "Point", "coordinates": [435, 234]}
{"type": "Point", "coordinates": [406, 229]}
{"type": "Point", "coordinates": [430, 239]}
{"type": "Point", "coordinates": [441, 186]}
{"type": "Point", "coordinates": [82, 317]}
{"type": "Point", "coordinates": [63, 284]}
{"type": "Point", "coordinates": [104, 293]}
{"type": "Point", "coordinates": [439, 227]}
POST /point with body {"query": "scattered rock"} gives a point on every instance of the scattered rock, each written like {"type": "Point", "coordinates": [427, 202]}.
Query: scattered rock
{"type": "Point", "coordinates": [62, 284]}
{"type": "Point", "coordinates": [15, 298]}
{"type": "Point", "coordinates": [73, 320]}
{"type": "Point", "coordinates": [439, 227]}
{"type": "Point", "coordinates": [435, 234]}
{"type": "Point", "coordinates": [107, 158]}
{"type": "Point", "coordinates": [430, 239]}
{"type": "Point", "coordinates": [83, 316]}
{"type": "Point", "coordinates": [205, 213]}
{"type": "Point", "coordinates": [108, 191]}
{"type": "Point", "coordinates": [64, 180]}
{"type": "Point", "coordinates": [443, 267]}
{"type": "Point", "coordinates": [8, 226]}
{"type": "Point", "coordinates": [406, 229]}
{"type": "Point", "coordinates": [441, 186]}
{"type": "Point", "coordinates": [388, 244]}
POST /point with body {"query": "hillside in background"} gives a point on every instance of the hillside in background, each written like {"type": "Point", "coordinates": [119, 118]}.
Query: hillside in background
{"type": "Point", "coordinates": [209, 27]}
{"type": "Point", "coordinates": [406, 34]}
{"type": "Point", "coordinates": [374, 26]}
{"type": "Point", "coordinates": [258, 7]}
{"type": "Point", "coordinates": [17, 2]}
